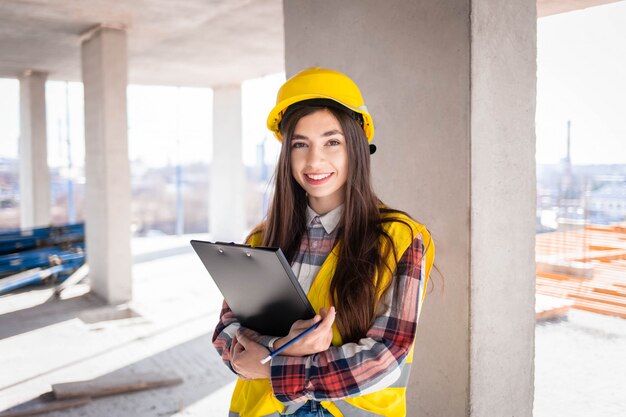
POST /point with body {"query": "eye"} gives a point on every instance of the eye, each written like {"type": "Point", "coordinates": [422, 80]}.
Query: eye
{"type": "Point", "coordinates": [296, 145]}
{"type": "Point", "coordinates": [334, 142]}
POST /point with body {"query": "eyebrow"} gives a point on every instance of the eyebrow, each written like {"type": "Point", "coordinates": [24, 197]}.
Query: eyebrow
{"type": "Point", "coordinates": [326, 134]}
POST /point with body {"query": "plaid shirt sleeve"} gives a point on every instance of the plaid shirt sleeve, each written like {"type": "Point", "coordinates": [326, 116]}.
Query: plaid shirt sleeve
{"type": "Point", "coordinates": [374, 362]}
{"type": "Point", "coordinates": [227, 328]}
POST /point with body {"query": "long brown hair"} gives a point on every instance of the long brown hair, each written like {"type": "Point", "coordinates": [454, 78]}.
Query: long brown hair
{"type": "Point", "coordinates": [354, 286]}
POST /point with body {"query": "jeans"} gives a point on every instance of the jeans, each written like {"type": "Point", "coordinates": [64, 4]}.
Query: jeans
{"type": "Point", "coordinates": [311, 409]}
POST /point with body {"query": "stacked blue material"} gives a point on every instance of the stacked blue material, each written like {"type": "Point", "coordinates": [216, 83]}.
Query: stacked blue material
{"type": "Point", "coordinates": [31, 256]}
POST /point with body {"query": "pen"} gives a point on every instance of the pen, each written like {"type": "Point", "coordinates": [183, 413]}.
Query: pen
{"type": "Point", "coordinates": [289, 343]}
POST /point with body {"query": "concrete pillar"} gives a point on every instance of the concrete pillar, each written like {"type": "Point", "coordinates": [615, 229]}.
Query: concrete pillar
{"type": "Point", "coordinates": [34, 171]}
{"type": "Point", "coordinates": [107, 171]}
{"type": "Point", "coordinates": [451, 86]}
{"type": "Point", "coordinates": [227, 213]}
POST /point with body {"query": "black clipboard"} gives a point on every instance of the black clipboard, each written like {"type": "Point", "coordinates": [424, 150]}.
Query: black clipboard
{"type": "Point", "coordinates": [258, 285]}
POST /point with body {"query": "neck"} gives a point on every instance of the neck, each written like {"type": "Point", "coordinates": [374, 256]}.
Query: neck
{"type": "Point", "coordinates": [322, 206]}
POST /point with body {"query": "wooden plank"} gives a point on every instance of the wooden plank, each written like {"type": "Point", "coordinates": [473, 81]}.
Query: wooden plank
{"type": "Point", "coordinates": [559, 277]}
{"type": "Point", "coordinates": [78, 275]}
{"type": "Point", "coordinates": [586, 297]}
{"type": "Point", "coordinates": [600, 309]}
{"type": "Point", "coordinates": [20, 275]}
{"type": "Point", "coordinates": [600, 293]}
{"type": "Point", "coordinates": [45, 407]}
{"type": "Point", "coordinates": [549, 307]}
{"type": "Point", "coordinates": [109, 385]}
{"type": "Point", "coordinates": [583, 293]}
{"type": "Point", "coordinates": [552, 313]}
{"type": "Point", "coordinates": [604, 300]}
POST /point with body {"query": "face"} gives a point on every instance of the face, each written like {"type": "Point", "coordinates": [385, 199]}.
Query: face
{"type": "Point", "coordinates": [319, 160]}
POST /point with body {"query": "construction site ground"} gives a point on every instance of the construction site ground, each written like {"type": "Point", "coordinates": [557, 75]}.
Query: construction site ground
{"type": "Point", "coordinates": [167, 329]}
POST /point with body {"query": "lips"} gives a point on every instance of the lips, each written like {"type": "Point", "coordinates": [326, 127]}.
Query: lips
{"type": "Point", "coordinates": [317, 179]}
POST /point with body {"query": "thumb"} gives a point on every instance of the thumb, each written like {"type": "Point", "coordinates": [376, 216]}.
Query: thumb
{"type": "Point", "coordinates": [329, 317]}
{"type": "Point", "coordinates": [301, 325]}
{"type": "Point", "coordinates": [311, 322]}
{"type": "Point", "coordinates": [326, 311]}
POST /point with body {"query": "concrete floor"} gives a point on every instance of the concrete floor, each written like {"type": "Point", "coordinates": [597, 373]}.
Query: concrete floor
{"type": "Point", "coordinates": [580, 370]}
{"type": "Point", "coordinates": [44, 340]}
{"type": "Point", "coordinates": [580, 366]}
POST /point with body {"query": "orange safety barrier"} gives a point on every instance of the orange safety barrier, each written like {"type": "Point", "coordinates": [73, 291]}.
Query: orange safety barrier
{"type": "Point", "coordinates": [603, 247]}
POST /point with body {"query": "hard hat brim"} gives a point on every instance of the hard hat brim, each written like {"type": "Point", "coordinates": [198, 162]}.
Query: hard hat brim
{"type": "Point", "coordinates": [275, 116]}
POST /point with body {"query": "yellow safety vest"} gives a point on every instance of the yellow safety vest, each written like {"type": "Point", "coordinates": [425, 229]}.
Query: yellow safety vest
{"type": "Point", "coordinates": [254, 398]}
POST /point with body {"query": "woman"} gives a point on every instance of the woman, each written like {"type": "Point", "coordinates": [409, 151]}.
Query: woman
{"type": "Point", "coordinates": [363, 266]}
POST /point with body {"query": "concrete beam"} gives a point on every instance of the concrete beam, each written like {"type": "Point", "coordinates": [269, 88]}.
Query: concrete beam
{"type": "Point", "coordinates": [451, 87]}
{"type": "Point", "coordinates": [107, 170]}
{"type": "Point", "coordinates": [33, 145]}
{"type": "Point", "coordinates": [551, 7]}
{"type": "Point", "coordinates": [227, 177]}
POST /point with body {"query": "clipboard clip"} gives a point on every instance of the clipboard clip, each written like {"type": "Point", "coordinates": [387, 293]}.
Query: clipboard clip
{"type": "Point", "coordinates": [220, 250]}
{"type": "Point", "coordinates": [233, 244]}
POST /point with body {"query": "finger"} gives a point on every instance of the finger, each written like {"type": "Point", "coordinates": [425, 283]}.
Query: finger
{"type": "Point", "coordinates": [248, 332]}
{"type": "Point", "coordinates": [238, 371]}
{"type": "Point", "coordinates": [236, 346]}
{"type": "Point", "coordinates": [237, 350]}
{"type": "Point", "coordinates": [239, 347]}
{"type": "Point", "coordinates": [300, 325]}
{"type": "Point", "coordinates": [329, 319]}
{"type": "Point", "coordinates": [243, 340]}
{"type": "Point", "coordinates": [311, 322]}
{"type": "Point", "coordinates": [326, 311]}
{"type": "Point", "coordinates": [233, 343]}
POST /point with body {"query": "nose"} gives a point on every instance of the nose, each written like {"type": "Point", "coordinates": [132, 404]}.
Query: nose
{"type": "Point", "coordinates": [315, 155]}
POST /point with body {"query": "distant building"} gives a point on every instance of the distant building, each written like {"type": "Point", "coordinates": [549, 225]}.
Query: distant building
{"type": "Point", "coordinates": [608, 202]}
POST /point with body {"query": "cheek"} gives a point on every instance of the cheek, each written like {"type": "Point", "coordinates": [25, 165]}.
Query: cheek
{"type": "Point", "coordinates": [296, 163]}
{"type": "Point", "coordinates": [342, 163]}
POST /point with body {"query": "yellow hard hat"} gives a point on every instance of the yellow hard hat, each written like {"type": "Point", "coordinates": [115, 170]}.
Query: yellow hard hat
{"type": "Point", "coordinates": [319, 83]}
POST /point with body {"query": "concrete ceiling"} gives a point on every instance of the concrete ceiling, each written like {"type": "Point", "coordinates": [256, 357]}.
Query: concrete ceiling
{"type": "Point", "coordinates": [170, 42]}
{"type": "Point", "coordinates": [550, 7]}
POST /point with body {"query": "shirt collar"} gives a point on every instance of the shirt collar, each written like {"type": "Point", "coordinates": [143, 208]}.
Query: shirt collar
{"type": "Point", "coordinates": [329, 220]}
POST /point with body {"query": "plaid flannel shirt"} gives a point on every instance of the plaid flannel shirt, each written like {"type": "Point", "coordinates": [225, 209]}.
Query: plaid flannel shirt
{"type": "Point", "coordinates": [352, 369]}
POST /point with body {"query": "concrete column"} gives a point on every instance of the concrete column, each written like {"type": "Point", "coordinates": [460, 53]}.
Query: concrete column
{"type": "Point", "coordinates": [34, 171]}
{"type": "Point", "coordinates": [451, 86]}
{"type": "Point", "coordinates": [107, 171]}
{"type": "Point", "coordinates": [227, 212]}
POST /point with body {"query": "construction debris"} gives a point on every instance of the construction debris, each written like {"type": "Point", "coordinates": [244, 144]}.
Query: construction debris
{"type": "Point", "coordinates": [76, 277]}
{"type": "Point", "coordinates": [107, 385]}
{"type": "Point", "coordinates": [602, 247]}
{"type": "Point", "coordinates": [44, 407]}
{"type": "Point", "coordinates": [74, 394]}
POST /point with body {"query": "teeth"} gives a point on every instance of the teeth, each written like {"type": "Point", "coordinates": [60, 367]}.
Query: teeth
{"type": "Point", "coordinates": [318, 177]}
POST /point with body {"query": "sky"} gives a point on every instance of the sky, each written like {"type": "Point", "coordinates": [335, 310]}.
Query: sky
{"type": "Point", "coordinates": [581, 58]}
{"type": "Point", "coordinates": [166, 125]}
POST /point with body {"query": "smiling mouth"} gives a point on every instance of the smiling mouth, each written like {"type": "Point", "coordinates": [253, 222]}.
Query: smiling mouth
{"type": "Point", "coordinates": [316, 179]}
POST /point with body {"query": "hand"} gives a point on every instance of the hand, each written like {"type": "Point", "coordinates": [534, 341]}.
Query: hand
{"type": "Point", "coordinates": [246, 357]}
{"type": "Point", "coordinates": [317, 340]}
